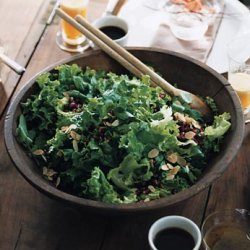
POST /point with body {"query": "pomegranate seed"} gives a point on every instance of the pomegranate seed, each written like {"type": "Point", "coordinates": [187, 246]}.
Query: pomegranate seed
{"type": "Point", "coordinates": [162, 95]}
{"type": "Point", "coordinates": [73, 105]}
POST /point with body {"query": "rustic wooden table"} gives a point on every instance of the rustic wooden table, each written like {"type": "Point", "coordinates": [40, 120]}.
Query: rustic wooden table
{"type": "Point", "coordinates": [28, 219]}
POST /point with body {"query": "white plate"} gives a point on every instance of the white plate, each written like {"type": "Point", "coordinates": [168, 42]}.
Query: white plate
{"type": "Point", "coordinates": [144, 21]}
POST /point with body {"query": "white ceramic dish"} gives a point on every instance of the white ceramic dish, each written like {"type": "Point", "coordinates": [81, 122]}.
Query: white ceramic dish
{"type": "Point", "coordinates": [114, 21]}
{"type": "Point", "coordinates": [174, 221]}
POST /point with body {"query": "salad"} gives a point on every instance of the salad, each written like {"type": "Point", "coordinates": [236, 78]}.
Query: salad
{"type": "Point", "coordinates": [114, 138]}
{"type": "Point", "coordinates": [196, 6]}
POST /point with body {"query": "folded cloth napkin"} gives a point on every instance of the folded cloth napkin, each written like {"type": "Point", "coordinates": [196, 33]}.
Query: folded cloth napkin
{"type": "Point", "coordinates": [198, 49]}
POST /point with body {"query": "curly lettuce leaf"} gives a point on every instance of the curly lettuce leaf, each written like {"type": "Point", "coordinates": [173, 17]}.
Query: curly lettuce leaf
{"type": "Point", "coordinates": [220, 126]}
{"type": "Point", "coordinates": [99, 188]}
{"type": "Point", "coordinates": [22, 132]}
{"type": "Point", "coordinates": [130, 172]}
{"type": "Point", "coordinates": [214, 133]}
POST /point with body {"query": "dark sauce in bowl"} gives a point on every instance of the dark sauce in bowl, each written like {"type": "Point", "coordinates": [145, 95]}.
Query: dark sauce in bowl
{"type": "Point", "coordinates": [174, 239]}
{"type": "Point", "coordinates": [113, 32]}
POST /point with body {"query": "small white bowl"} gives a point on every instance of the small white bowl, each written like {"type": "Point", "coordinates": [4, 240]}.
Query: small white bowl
{"type": "Point", "coordinates": [113, 21]}
{"type": "Point", "coordinates": [175, 221]}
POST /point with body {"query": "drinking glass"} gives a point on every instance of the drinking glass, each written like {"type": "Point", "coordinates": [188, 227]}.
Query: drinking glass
{"type": "Point", "coordinates": [239, 68]}
{"type": "Point", "coordinates": [69, 38]}
{"type": "Point", "coordinates": [227, 230]}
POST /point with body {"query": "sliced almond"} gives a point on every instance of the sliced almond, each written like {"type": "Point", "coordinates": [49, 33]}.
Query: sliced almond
{"type": "Point", "coordinates": [196, 124]}
{"type": "Point", "coordinates": [190, 135]}
{"type": "Point", "coordinates": [189, 120]}
{"type": "Point", "coordinates": [75, 136]}
{"type": "Point", "coordinates": [108, 124]}
{"type": "Point", "coordinates": [44, 158]}
{"type": "Point", "coordinates": [165, 167]}
{"type": "Point", "coordinates": [75, 145]}
{"type": "Point", "coordinates": [151, 188]}
{"type": "Point", "coordinates": [38, 152]}
{"type": "Point", "coordinates": [115, 123]}
{"type": "Point", "coordinates": [170, 166]}
{"type": "Point", "coordinates": [153, 153]}
{"type": "Point", "coordinates": [192, 121]}
{"type": "Point", "coordinates": [180, 117]}
{"type": "Point", "coordinates": [51, 172]}
{"type": "Point", "coordinates": [170, 177]}
{"type": "Point", "coordinates": [65, 129]}
{"type": "Point", "coordinates": [181, 161]}
{"type": "Point", "coordinates": [58, 180]}
{"type": "Point", "coordinates": [172, 157]}
{"type": "Point", "coordinates": [175, 170]}
{"type": "Point", "coordinates": [72, 126]}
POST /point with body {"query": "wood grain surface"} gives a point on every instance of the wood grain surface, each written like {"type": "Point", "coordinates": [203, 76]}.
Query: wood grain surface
{"type": "Point", "coordinates": [21, 29]}
{"type": "Point", "coordinates": [31, 221]}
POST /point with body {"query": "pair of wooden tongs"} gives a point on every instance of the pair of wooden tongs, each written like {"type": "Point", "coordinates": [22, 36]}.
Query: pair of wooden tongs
{"type": "Point", "coordinates": [131, 63]}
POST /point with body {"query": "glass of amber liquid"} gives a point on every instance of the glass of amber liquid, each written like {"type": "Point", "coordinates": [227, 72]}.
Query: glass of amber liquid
{"type": "Point", "coordinates": [69, 38]}
{"type": "Point", "coordinates": [239, 68]}
{"type": "Point", "coordinates": [227, 230]}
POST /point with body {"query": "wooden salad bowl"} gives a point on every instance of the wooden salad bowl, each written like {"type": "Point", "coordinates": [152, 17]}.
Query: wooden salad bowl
{"type": "Point", "coordinates": [190, 75]}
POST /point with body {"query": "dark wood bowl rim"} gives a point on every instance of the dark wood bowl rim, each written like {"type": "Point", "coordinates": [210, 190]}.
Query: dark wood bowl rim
{"type": "Point", "coordinates": [42, 185]}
